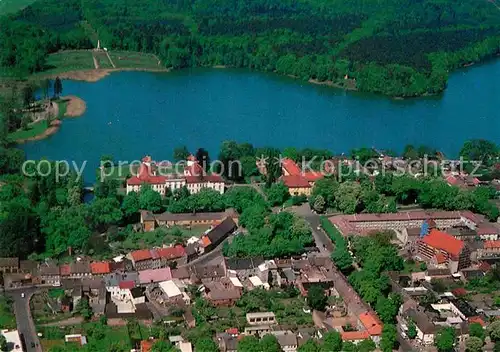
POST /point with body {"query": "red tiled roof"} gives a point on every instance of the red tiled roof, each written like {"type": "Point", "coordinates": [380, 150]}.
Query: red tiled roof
{"type": "Point", "coordinates": [452, 180]}
{"type": "Point", "coordinates": [147, 345]}
{"type": "Point", "coordinates": [478, 320]}
{"type": "Point", "coordinates": [440, 258]}
{"type": "Point", "coordinates": [290, 166]}
{"type": "Point", "coordinates": [126, 285]}
{"type": "Point", "coordinates": [177, 251]}
{"type": "Point", "coordinates": [195, 169]}
{"type": "Point", "coordinates": [295, 181]}
{"type": "Point", "coordinates": [205, 241]}
{"type": "Point", "coordinates": [371, 323]}
{"type": "Point", "coordinates": [145, 175]}
{"type": "Point", "coordinates": [491, 244]}
{"type": "Point", "coordinates": [486, 229]}
{"type": "Point", "coordinates": [65, 269]}
{"type": "Point", "coordinates": [355, 335]}
{"type": "Point", "coordinates": [313, 176]}
{"type": "Point", "coordinates": [459, 291]}
{"type": "Point", "coordinates": [191, 157]}
{"type": "Point", "coordinates": [142, 254]}
{"type": "Point", "coordinates": [443, 241]}
{"type": "Point", "coordinates": [232, 331]}
{"type": "Point", "coordinates": [100, 268]}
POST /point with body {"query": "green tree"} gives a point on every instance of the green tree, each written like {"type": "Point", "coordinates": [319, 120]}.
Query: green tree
{"type": "Point", "coordinates": [387, 308]}
{"type": "Point", "coordinates": [332, 342]}
{"type": "Point", "coordinates": [181, 153]}
{"type": "Point", "coordinates": [163, 346]}
{"type": "Point", "coordinates": [389, 338]}
{"type": "Point", "coordinates": [310, 346]}
{"type": "Point", "coordinates": [479, 150]}
{"type": "Point", "coordinates": [3, 343]}
{"type": "Point", "coordinates": [445, 339]}
{"type": "Point", "coordinates": [277, 193]}
{"type": "Point", "coordinates": [477, 330]}
{"type": "Point", "coordinates": [316, 297]}
{"type": "Point", "coordinates": [83, 308]}
{"type": "Point", "coordinates": [149, 199]}
{"type": "Point", "coordinates": [130, 205]}
{"type": "Point", "coordinates": [412, 330]}
{"type": "Point", "coordinates": [342, 258]}
{"type": "Point", "coordinates": [319, 204]}
{"type": "Point", "coordinates": [269, 343]}
{"type": "Point", "coordinates": [474, 344]}
{"type": "Point", "coordinates": [206, 345]}
{"type": "Point", "coordinates": [104, 212]}
{"type": "Point", "coordinates": [494, 330]}
{"type": "Point", "coordinates": [347, 197]}
{"type": "Point", "coordinates": [366, 346]}
{"type": "Point", "coordinates": [58, 87]}
{"type": "Point", "coordinates": [249, 344]}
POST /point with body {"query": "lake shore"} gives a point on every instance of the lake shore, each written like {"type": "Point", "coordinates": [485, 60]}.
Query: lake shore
{"type": "Point", "coordinates": [96, 74]}
{"type": "Point", "coordinates": [75, 106]}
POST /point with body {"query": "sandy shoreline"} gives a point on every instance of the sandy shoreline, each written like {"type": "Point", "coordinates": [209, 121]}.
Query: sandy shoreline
{"type": "Point", "coordinates": [75, 106]}
{"type": "Point", "coordinates": [97, 74]}
{"type": "Point", "coordinates": [54, 127]}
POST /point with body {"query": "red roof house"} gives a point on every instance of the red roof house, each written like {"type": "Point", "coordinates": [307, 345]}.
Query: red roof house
{"type": "Point", "coordinates": [175, 252]}
{"type": "Point", "coordinates": [444, 242]}
{"type": "Point", "coordinates": [99, 268]}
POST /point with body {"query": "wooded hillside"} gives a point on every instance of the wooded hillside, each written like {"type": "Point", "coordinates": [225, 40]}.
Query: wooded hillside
{"type": "Point", "coordinates": [393, 47]}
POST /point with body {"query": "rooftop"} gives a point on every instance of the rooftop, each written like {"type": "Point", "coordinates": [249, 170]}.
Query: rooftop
{"type": "Point", "coordinates": [443, 241]}
{"type": "Point", "coordinates": [155, 275]}
{"type": "Point", "coordinates": [100, 268]}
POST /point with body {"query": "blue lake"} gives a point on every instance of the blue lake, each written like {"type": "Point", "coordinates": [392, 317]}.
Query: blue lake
{"type": "Point", "coordinates": [130, 114]}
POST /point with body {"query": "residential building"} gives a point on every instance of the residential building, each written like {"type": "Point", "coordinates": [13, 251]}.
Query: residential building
{"type": "Point", "coordinates": [194, 178]}
{"type": "Point", "coordinates": [219, 233]}
{"type": "Point", "coordinates": [299, 182]}
{"type": "Point", "coordinates": [489, 250]}
{"type": "Point", "coordinates": [9, 265]}
{"type": "Point", "coordinates": [150, 221]}
{"type": "Point", "coordinates": [261, 318]}
{"type": "Point", "coordinates": [425, 327]}
{"type": "Point", "coordinates": [144, 259]}
{"type": "Point", "coordinates": [100, 268]}
{"type": "Point", "coordinates": [287, 340]}
{"type": "Point", "coordinates": [50, 274]}
{"type": "Point", "coordinates": [76, 270]}
{"type": "Point", "coordinates": [227, 342]}
{"type": "Point", "coordinates": [444, 248]}
{"type": "Point", "coordinates": [154, 275]}
{"type": "Point", "coordinates": [222, 292]}
{"type": "Point", "coordinates": [365, 223]}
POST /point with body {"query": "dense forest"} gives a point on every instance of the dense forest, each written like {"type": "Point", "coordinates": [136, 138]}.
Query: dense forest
{"type": "Point", "coordinates": [393, 47]}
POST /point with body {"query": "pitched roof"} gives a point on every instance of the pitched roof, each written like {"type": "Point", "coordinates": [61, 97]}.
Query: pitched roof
{"type": "Point", "coordinates": [205, 241]}
{"type": "Point", "coordinates": [371, 323]}
{"type": "Point", "coordinates": [204, 179]}
{"type": "Point", "coordinates": [100, 268]}
{"type": "Point", "coordinates": [443, 241]}
{"type": "Point", "coordinates": [9, 262]}
{"type": "Point", "coordinates": [147, 345]}
{"type": "Point", "coordinates": [290, 166]}
{"type": "Point", "coordinates": [222, 230]}
{"type": "Point", "coordinates": [126, 285]}
{"type": "Point", "coordinates": [355, 335]}
{"type": "Point", "coordinates": [155, 275]}
{"type": "Point", "coordinates": [174, 252]}
{"type": "Point", "coordinates": [82, 267]}
{"type": "Point", "coordinates": [65, 269]}
{"type": "Point", "coordinates": [141, 254]}
{"type": "Point", "coordinates": [440, 258]}
{"type": "Point", "coordinates": [491, 244]}
{"type": "Point", "coordinates": [295, 181]}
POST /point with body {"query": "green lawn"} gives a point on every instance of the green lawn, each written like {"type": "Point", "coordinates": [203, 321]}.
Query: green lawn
{"type": "Point", "coordinates": [103, 60]}
{"type": "Point", "coordinates": [69, 61]}
{"type": "Point", "coordinates": [35, 129]}
{"type": "Point", "coordinates": [11, 6]}
{"type": "Point", "coordinates": [126, 59]}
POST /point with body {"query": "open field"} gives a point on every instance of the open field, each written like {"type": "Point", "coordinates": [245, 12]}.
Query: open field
{"type": "Point", "coordinates": [126, 59]}
{"type": "Point", "coordinates": [102, 60]}
{"type": "Point", "coordinates": [36, 129]}
{"type": "Point", "coordinates": [69, 61]}
{"type": "Point", "coordinates": [11, 6]}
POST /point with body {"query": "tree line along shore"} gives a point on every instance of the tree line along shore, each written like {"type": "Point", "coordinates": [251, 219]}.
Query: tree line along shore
{"type": "Point", "coordinates": [400, 49]}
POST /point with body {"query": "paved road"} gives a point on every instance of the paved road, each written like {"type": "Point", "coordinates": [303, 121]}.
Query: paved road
{"type": "Point", "coordinates": [321, 239]}
{"type": "Point", "coordinates": [25, 324]}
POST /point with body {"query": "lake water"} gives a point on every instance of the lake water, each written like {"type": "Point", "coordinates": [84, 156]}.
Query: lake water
{"type": "Point", "coordinates": [130, 114]}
